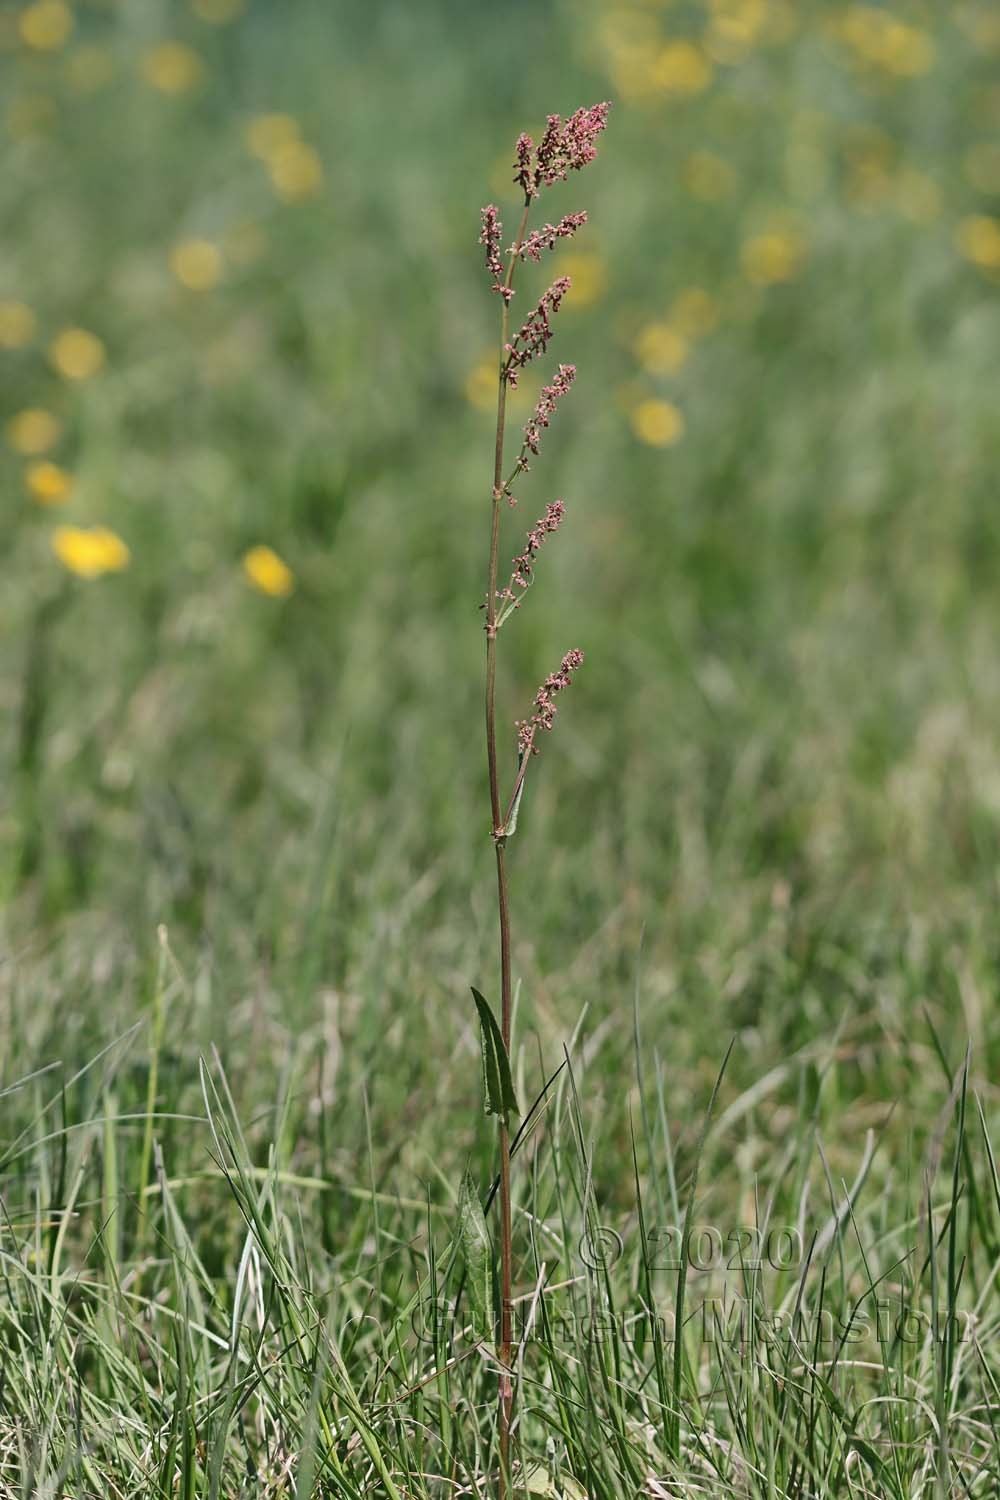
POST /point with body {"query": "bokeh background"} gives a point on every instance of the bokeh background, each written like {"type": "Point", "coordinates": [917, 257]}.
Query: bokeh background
{"type": "Point", "coordinates": [247, 385]}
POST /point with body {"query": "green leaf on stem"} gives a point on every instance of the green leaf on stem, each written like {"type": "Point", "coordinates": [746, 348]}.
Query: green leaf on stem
{"type": "Point", "coordinates": [477, 1252]}
{"type": "Point", "coordinates": [510, 826]}
{"type": "Point", "coordinates": [499, 1098]}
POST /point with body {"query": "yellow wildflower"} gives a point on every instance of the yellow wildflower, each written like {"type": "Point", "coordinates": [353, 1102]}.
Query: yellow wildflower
{"type": "Point", "coordinates": [77, 354]}
{"type": "Point", "coordinates": [694, 312]}
{"type": "Point", "coordinates": [172, 68]}
{"type": "Point", "coordinates": [978, 239]}
{"type": "Point", "coordinates": [48, 483]}
{"type": "Point", "coordinates": [658, 423]}
{"type": "Point", "coordinates": [883, 41]}
{"type": "Point", "coordinates": [266, 571]}
{"type": "Point", "coordinates": [772, 257]}
{"type": "Point", "coordinates": [682, 69]}
{"type": "Point", "coordinates": [218, 12]}
{"type": "Point", "coordinates": [707, 176]}
{"type": "Point", "coordinates": [906, 50]}
{"type": "Point", "coordinates": [631, 41]}
{"type": "Point", "coordinates": [89, 551]}
{"type": "Point", "coordinates": [296, 171]}
{"type": "Point", "coordinates": [660, 349]}
{"type": "Point", "coordinates": [589, 275]}
{"type": "Point", "coordinates": [46, 25]}
{"type": "Point", "coordinates": [267, 134]}
{"type": "Point", "coordinates": [197, 264]}
{"type": "Point", "coordinates": [481, 383]}
{"type": "Point", "coordinates": [33, 431]}
{"type": "Point", "coordinates": [17, 325]}
{"type": "Point", "coordinates": [481, 386]}
{"type": "Point", "coordinates": [633, 73]}
{"type": "Point", "coordinates": [735, 28]}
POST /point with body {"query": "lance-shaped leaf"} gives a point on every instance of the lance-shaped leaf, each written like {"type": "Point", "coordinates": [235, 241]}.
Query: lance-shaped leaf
{"type": "Point", "coordinates": [498, 1090]}
{"type": "Point", "coordinates": [478, 1255]}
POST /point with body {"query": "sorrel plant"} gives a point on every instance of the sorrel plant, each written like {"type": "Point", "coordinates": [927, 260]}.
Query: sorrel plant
{"type": "Point", "coordinates": [563, 147]}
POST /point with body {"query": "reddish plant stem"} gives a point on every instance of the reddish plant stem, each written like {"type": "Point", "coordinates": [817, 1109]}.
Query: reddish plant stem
{"type": "Point", "coordinates": [506, 1396]}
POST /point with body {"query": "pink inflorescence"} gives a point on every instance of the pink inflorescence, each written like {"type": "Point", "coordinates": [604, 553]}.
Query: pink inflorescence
{"type": "Point", "coordinates": [546, 405]}
{"type": "Point", "coordinates": [491, 236]}
{"type": "Point", "coordinates": [545, 709]}
{"type": "Point", "coordinates": [561, 150]}
{"type": "Point", "coordinates": [545, 238]}
{"type": "Point", "coordinates": [521, 576]}
{"type": "Point", "coordinates": [533, 338]}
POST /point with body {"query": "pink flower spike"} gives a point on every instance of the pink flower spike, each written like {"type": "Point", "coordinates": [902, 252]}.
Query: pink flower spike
{"type": "Point", "coordinates": [545, 238]}
{"type": "Point", "coordinates": [522, 564]}
{"type": "Point", "coordinates": [561, 150]}
{"type": "Point", "coordinates": [546, 405]}
{"type": "Point", "coordinates": [491, 236]}
{"type": "Point", "coordinates": [523, 173]}
{"type": "Point", "coordinates": [545, 709]}
{"type": "Point", "coordinates": [581, 131]}
{"type": "Point", "coordinates": [533, 337]}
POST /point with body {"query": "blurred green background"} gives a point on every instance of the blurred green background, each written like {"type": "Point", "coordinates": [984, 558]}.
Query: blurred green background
{"type": "Point", "coordinates": [243, 308]}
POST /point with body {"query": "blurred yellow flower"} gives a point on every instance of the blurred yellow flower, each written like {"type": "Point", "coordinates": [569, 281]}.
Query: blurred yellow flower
{"type": "Point", "coordinates": [660, 349]}
{"type": "Point", "coordinates": [631, 41]}
{"type": "Point", "coordinates": [266, 134]}
{"type": "Point", "coordinates": [981, 166]}
{"type": "Point", "coordinates": [883, 41]}
{"type": "Point", "coordinates": [735, 28]}
{"type": "Point", "coordinates": [296, 171]}
{"type": "Point", "coordinates": [658, 423]}
{"type": "Point", "coordinates": [33, 431]}
{"type": "Point", "coordinates": [589, 275]}
{"type": "Point", "coordinates": [197, 264]}
{"type": "Point", "coordinates": [694, 312]}
{"type": "Point", "coordinates": [918, 196]}
{"type": "Point", "coordinates": [46, 25]}
{"type": "Point", "coordinates": [48, 483]}
{"type": "Point", "coordinates": [978, 239]}
{"type": "Point", "coordinates": [218, 12]}
{"type": "Point", "coordinates": [773, 257]}
{"type": "Point", "coordinates": [17, 325]}
{"type": "Point", "coordinates": [90, 69]}
{"type": "Point", "coordinates": [481, 383]}
{"type": "Point", "coordinates": [633, 75]}
{"type": "Point", "coordinates": [266, 571]}
{"type": "Point", "coordinates": [907, 51]}
{"type": "Point", "coordinates": [77, 354]}
{"type": "Point", "coordinates": [89, 551]}
{"type": "Point", "coordinates": [707, 176]}
{"type": "Point", "coordinates": [682, 69]}
{"type": "Point", "coordinates": [172, 68]}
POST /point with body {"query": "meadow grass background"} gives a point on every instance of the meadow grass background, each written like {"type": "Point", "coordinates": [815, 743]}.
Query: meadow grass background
{"type": "Point", "coordinates": [770, 814]}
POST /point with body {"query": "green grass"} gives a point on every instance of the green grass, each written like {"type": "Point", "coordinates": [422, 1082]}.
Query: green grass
{"type": "Point", "coordinates": [244, 855]}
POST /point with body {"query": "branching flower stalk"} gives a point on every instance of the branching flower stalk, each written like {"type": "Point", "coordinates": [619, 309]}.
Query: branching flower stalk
{"type": "Point", "coordinates": [564, 147]}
